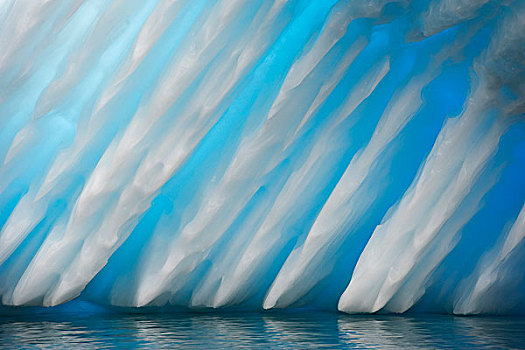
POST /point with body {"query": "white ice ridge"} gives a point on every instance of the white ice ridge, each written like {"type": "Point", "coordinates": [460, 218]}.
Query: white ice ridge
{"type": "Point", "coordinates": [355, 155]}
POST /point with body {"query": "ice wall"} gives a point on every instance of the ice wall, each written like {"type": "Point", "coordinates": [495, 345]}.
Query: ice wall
{"type": "Point", "coordinates": [360, 155]}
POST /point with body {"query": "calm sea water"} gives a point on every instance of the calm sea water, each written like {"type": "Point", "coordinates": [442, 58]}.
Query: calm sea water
{"type": "Point", "coordinates": [259, 331]}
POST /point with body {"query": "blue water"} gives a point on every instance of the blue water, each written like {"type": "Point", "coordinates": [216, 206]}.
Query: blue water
{"type": "Point", "coordinates": [259, 330]}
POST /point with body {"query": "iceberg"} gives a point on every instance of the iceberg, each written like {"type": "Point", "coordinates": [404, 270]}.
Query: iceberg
{"type": "Point", "coordinates": [354, 155]}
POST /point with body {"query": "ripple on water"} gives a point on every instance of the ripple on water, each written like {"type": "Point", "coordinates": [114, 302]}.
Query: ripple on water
{"type": "Point", "coordinates": [264, 330]}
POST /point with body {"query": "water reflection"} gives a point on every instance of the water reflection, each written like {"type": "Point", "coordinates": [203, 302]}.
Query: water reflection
{"type": "Point", "coordinates": [272, 331]}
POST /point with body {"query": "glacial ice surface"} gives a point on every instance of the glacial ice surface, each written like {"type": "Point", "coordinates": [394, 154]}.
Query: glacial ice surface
{"type": "Point", "coordinates": [360, 155]}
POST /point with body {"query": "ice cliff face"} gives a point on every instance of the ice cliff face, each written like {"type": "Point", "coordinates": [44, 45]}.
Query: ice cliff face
{"type": "Point", "coordinates": [359, 155]}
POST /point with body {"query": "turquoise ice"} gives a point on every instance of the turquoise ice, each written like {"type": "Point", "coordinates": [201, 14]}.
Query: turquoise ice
{"type": "Point", "coordinates": [360, 155]}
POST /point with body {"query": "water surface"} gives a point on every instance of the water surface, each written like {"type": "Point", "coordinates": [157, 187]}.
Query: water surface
{"type": "Point", "coordinates": [259, 330]}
